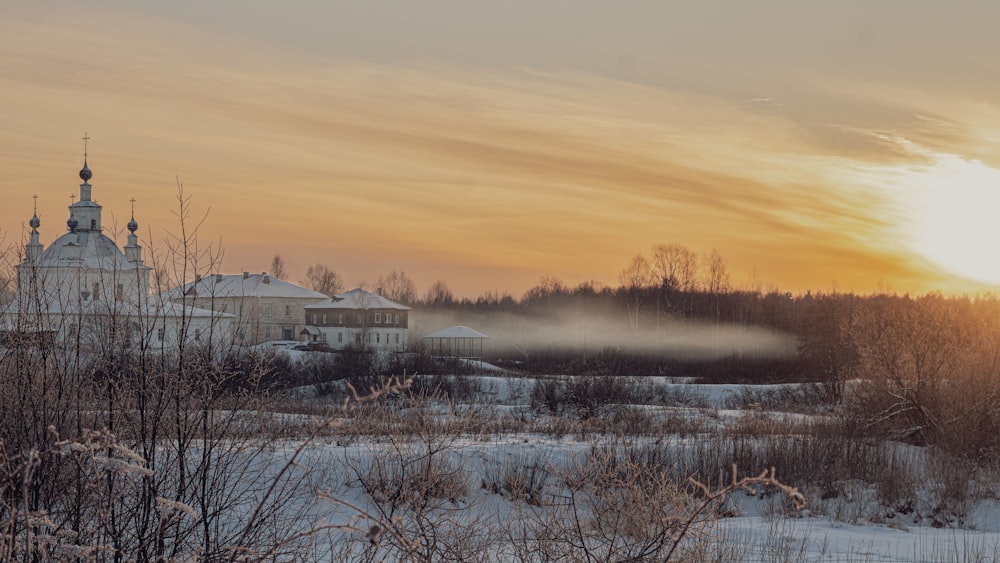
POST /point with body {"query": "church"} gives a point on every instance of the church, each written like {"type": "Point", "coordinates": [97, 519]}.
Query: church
{"type": "Point", "coordinates": [83, 289]}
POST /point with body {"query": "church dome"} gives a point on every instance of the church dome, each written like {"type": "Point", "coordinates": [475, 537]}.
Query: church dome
{"type": "Point", "coordinates": [72, 223]}
{"type": "Point", "coordinates": [85, 173]}
{"type": "Point", "coordinates": [132, 226]}
{"type": "Point", "coordinates": [83, 249]}
{"type": "Point", "coordinates": [34, 223]}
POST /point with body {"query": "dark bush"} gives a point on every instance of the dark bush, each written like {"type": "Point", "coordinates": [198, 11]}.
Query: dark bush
{"type": "Point", "coordinates": [585, 396]}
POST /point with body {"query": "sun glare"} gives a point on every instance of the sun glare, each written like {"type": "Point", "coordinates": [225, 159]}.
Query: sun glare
{"type": "Point", "coordinates": [952, 215]}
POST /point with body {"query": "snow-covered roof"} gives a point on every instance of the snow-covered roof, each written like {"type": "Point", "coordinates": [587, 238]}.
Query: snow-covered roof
{"type": "Point", "coordinates": [167, 308]}
{"type": "Point", "coordinates": [83, 249]}
{"type": "Point", "coordinates": [356, 299]}
{"type": "Point", "coordinates": [222, 286]}
{"type": "Point", "coordinates": [154, 308]}
{"type": "Point", "coordinates": [460, 331]}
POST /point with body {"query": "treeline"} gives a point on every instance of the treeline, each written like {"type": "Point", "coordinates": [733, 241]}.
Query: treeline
{"type": "Point", "coordinates": [672, 282]}
{"type": "Point", "coordinates": [833, 331]}
{"type": "Point", "coordinates": [923, 369]}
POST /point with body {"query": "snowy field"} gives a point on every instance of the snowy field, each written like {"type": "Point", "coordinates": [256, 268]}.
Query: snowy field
{"type": "Point", "coordinates": [849, 522]}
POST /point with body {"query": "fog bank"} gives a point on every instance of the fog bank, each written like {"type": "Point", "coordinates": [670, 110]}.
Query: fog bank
{"type": "Point", "coordinates": [590, 332]}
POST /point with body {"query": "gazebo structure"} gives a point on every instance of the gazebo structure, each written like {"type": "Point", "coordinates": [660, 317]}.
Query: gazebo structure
{"type": "Point", "coordinates": [457, 342]}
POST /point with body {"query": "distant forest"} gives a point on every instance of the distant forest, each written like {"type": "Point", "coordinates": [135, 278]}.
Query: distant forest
{"type": "Point", "coordinates": [836, 336]}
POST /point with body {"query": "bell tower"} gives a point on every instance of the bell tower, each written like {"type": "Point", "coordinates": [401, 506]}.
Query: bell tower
{"type": "Point", "coordinates": [86, 212]}
{"type": "Point", "coordinates": [33, 250]}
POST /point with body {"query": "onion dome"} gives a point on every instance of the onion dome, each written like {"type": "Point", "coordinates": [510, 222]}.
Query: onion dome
{"type": "Point", "coordinates": [132, 226]}
{"type": "Point", "coordinates": [72, 223]}
{"type": "Point", "coordinates": [34, 223]}
{"type": "Point", "coordinates": [85, 173]}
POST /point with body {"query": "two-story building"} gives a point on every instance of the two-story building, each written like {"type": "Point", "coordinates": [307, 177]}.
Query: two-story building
{"type": "Point", "coordinates": [357, 317]}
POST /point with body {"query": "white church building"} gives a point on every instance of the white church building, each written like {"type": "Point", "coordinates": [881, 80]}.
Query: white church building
{"type": "Point", "coordinates": [83, 288]}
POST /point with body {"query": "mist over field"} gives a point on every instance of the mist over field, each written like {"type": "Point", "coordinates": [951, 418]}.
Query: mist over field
{"type": "Point", "coordinates": [572, 329]}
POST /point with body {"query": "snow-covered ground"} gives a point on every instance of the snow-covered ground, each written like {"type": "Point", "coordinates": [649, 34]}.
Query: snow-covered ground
{"type": "Point", "coordinates": [848, 526]}
{"type": "Point", "coordinates": [761, 529]}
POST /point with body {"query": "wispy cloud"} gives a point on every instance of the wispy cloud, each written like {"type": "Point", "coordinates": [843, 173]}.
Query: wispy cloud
{"type": "Point", "coordinates": [486, 178]}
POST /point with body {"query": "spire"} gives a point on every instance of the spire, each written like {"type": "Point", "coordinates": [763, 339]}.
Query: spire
{"type": "Point", "coordinates": [86, 211]}
{"type": "Point", "coordinates": [132, 225]}
{"type": "Point", "coordinates": [85, 173]}
{"type": "Point", "coordinates": [33, 250]}
{"type": "Point", "coordinates": [34, 223]}
{"type": "Point", "coordinates": [133, 252]}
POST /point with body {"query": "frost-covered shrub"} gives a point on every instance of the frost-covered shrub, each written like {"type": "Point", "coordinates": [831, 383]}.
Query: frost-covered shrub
{"type": "Point", "coordinates": [450, 387]}
{"type": "Point", "coordinates": [584, 396]}
{"type": "Point", "coordinates": [547, 395]}
{"type": "Point", "coordinates": [520, 475]}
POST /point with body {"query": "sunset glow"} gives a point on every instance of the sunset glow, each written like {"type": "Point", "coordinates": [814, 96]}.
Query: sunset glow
{"type": "Point", "coordinates": [952, 207]}
{"type": "Point", "coordinates": [490, 149]}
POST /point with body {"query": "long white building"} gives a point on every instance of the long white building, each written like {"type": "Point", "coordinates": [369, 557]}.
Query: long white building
{"type": "Point", "coordinates": [265, 307]}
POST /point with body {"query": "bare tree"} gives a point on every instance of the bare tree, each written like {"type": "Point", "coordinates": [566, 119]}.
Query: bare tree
{"type": "Point", "coordinates": [159, 482]}
{"type": "Point", "coordinates": [827, 340]}
{"type": "Point", "coordinates": [614, 506]}
{"type": "Point", "coordinates": [439, 294]}
{"type": "Point", "coordinates": [398, 286]}
{"type": "Point", "coordinates": [716, 274]}
{"type": "Point", "coordinates": [716, 280]}
{"type": "Point", "coordinates": [635, 279]}
{"type": "Point", "coordinates": [913, 353]}
{"type": "Point", "coordinates": [548, 286]}
{"type": "Point", "coordinates": [278, 267]}
{"type": "Point", "coordinates": [413, 480]}
{"type": "Point", "coordinates": [675, 269]}
{"type": "Point", "coordinates": [324, 280]}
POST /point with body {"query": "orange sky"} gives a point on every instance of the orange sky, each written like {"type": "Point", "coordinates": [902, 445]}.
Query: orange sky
{"type": "Point", "coordinates": [444, 154]}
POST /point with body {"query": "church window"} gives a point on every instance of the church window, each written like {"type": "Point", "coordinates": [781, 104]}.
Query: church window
{"type": "Point", "coordinates": [378, 338]}
{"type": "Point", "coordinates": [340, 337]}
{"type": "Point", "coordinates": [397, 319]}
{"type": "Point", "coordinates": [197, 334]}
{"type": "Point", "coordinates": [378, 318]}
{"type": "Point", "coordinates": [340, 319]}
{"type": "Point", "coordinates": [288, 310]}
{"type": "Point", "coordinates": [397, 338]}
{"type": "Point", "coordinates": [324, 319]}
{"type": "Point", "coordinates": [267, 332]}
{"type": "Point", "coordinates": [97, 291]}
{"type": "Point", "coordinates": [314, 318]}
{"type": "Point", "coordinates": [119, 292]}
{"type": "Point", "coordinates": [267, 311]}
{"type": "Point", "coordinates": [93, 224]}
{"type": "Point", "coordinates": [159, 334]}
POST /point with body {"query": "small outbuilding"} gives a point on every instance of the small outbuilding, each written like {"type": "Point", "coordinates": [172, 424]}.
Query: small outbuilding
{"type": "Point", "coordinates": [459, 342]}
